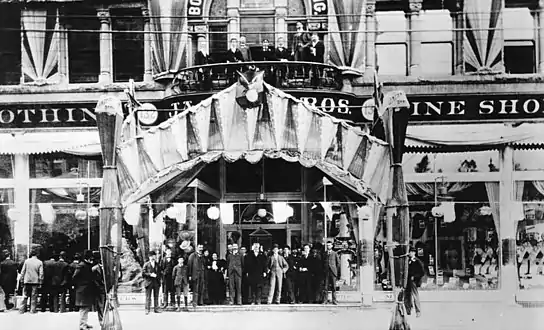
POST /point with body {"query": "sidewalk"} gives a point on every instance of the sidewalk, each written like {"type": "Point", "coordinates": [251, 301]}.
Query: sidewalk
{"type": "Point", "coordinates": [448, 316]}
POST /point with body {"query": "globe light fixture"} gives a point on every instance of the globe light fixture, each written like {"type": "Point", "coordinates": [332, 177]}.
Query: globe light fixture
{"type": "Point", "coordinates": [93, 211]}
{"type": "Point", "coordinates": [437, 212]}
{"type": "Point", "coordinates": [213, 213]}
{"type": "Point", "coordinates": [132, 214]}
{"type": "Point", "coordinates": [262, 213]}
{"type": "Point", "coordinates": [80, 215]}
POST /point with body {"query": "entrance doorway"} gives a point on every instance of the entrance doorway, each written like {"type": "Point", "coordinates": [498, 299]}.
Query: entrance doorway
{"type": "Point", "coordinates": [266, 237]}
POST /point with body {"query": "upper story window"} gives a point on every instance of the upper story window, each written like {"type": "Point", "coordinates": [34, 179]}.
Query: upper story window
{"type": "Point", "coordinates": [83, 46]}
{"type": "Point", "coordinates": [218, 43]}
{"type": "Point", "coordinates": [519, 41]}
{"type": "Point", "coordinates": [436, 43]}
{"type": "Point", "coordinates": [128, 47]}
{"type": "Point", "coordinates": [391, 46]}
{"type": "Point", "coordinates": [63, 165]}
{"type": "Point", "coordinates": [10, 44]}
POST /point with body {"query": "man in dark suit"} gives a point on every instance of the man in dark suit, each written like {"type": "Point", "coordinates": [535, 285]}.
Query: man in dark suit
{"type": "Point", "coordinates": [290, 275]}
{"type": "Point", "coordinates": [197, 268]}
{"type": "Point", "coordinates": [8, 277]}
{"type": "Point", "coordinates": [267, 53]}
{"type": "Point", "coordinates": [167, 268]}
{"type": "Point", "coordinates": [281, 54]}
{"type": "Point", "coordinates": [255, 267]}
{"type": "Point", "coordinates": [318, 273]}
{"type": "Point", "coordinates": [316, 53]}
{"type": "Point", "coordinates": [305, 267]}
{"type": "Point", "coordinates": [71, 292]}
{"type": "Point", "coordinates": [235, 265]}
{"type": "Point", "coordinates": [332, 271]}
{"type": "Point", "coordinates": [233, 55]}
{"type": "Point", "coordinates": [58, 284]}
{"type": "Point", "coordinates": [85, 290]}
{"type": "Point", "coordinates": [416, 271]}
{"type": "Point", "coordinates": [47, 286]}
{"type": "Point", "coordinates": [202, 57]}
{"type": "Point", "coordinates": [98, 275]}
{"type": "Point", "coordinates": [152, 282]}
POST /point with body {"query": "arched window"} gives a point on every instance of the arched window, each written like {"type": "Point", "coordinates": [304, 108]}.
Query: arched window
{"type": "Point", "coordinates": [296, 11]}
{"type": "Point", "coordinates": [218, 29]}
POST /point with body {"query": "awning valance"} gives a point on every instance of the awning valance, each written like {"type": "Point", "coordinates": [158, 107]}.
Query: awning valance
{"type": "Point", "coordinates": [282, 127]}
{"type": "Point", "coordinates": [84, 143]}
{"type": "Point", "coordinates": [480, 136]}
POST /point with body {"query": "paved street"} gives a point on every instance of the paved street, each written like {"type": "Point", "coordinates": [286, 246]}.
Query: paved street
{"type": "Point", "coordinates": [435, 316]}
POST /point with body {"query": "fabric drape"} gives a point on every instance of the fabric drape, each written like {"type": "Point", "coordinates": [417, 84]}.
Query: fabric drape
{"type": "Point", "coordinates": [169, 35]}
{"type": "Point", "coordinates": [347, 34]}
{"type": "Point", "coordinates": [493, 196]}
{"type": "Point", "coordinates": [428, 189]}
{"type": "Point", "coordinates": [539, 186]}
{"type": "Point", "coordinates": [518, 190]}
{"type": "Point", "coordinates": [302, 134]}
{"type": "Point", "coordinates": [484, 40]}
{"type": "Point", "coordinates": [40, 51]}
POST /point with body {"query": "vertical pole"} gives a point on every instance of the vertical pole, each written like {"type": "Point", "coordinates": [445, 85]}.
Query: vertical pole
{"type": "Point", "coordinates": [148, 71]}
{"type": "Point", "coordinates": [196, 215]}
{"type": "Point", "coordinates": [105, 47]}
{"type": "Point", "coordinates": [233, 14]}
{"type": "Point", "coordinates": [414, 35]}
{"type": "Point", "coordinates": [456, 13]}
{"type": "Point", "coordinates": [370, 38]}
{"type": "Point", "coordinates": [539, 15]}
{"type": "Point", "coordinates": [23, 226]}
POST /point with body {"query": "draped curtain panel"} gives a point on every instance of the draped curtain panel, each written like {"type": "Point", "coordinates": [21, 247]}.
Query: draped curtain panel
{"type": "Point", "coordinates": [493, 196]}
{"type": "Point", "coordinates": [169, 35]}
{"type": "Point", "coordinates": [40, 51]}
{"type": "Point", "coordinates": [427, 189]}
{"type": "Point", "coordinates": [484, 39]}
{"type": "Point", "coordinates": [219, 127]}
{"type": "Point", "coordinates": [347, 34]}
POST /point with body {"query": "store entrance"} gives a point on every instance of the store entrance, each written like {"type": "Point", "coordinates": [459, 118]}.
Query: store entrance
{"type": "Point", "coordinates": [266, 237]}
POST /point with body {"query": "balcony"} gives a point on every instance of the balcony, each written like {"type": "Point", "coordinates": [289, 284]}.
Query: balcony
{"type": "Point", "coordinates": [284, 75]}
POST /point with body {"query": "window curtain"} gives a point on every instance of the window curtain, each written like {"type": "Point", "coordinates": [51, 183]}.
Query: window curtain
{"type": "Point", "coordinates": [484, 40]}
{"type": "Point", "coordinates": [169, 36]}
{"type": "Point", "coordinates": [493, 196]}
{"type": "Point", "coordinates": [539, 186]}
{"type": "Point", "coordinates": [347, 33]}
{"type": "Point", "coordinates": [40, 50]}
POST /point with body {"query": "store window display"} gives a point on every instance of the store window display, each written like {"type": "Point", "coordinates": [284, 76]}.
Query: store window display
{"type": "Point", "coordinates": [456, 238]}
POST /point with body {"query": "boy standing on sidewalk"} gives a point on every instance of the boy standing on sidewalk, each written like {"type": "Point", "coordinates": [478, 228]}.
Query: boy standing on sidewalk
{"type": "Point", "coordinates": [181, 282]}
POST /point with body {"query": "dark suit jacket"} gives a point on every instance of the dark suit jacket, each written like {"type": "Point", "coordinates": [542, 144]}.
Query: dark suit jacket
{"type": "Point", "coordinates": [201, 59]}
{"type": "Point", "coordinates": [267, 55]}
{"type": "Point", "coordinates": [60, 273]}
{"type": "Point", "coordinates": [332, 263]}
{"type": "Point", "coordinates": [319, 52]}
{"type": "Point", "coordinates": [305, 262]}
{"type": "Point", "coordinates": [292, 263]}
{"type": "Point", "coordinates": [282, 54]}
{"type": "Point", "coordinates": [196, 266]}
{"type": "Point", "coordinates": [147, 270]}
{"type": "Point", "coordinates": [416, 270]}
{"type": "Point", "coordinates": [98, 274]}
{"type": "Point", "coordinates": [48, 272]}
{"type": "Point", "coordinates": [83, 280]}
{"type": "Point", "coordinates": [8, 275]}
{"type": "Point", "coordinates": [255, 267]}
{"type": "Point", "coordinates": [167, 267]}
{"type": "Point", "coordinates": [234, 56]}
{"type": "Point", "coordinates": [235, 264]}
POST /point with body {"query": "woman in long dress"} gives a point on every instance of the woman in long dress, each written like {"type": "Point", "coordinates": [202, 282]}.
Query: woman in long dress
{"type": "Point", "coordinates": [216, 281]}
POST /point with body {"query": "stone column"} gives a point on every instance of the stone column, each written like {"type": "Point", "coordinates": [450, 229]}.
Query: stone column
{"type": "Point", "coordinates": [371, 25]}
{"type": "Point", "coordinates": [21, 231]}
{"type": "Point", "coordinates": [539, 20]}
{"type": "Point", "coordinates": [507, 227]}
{"type": "Point", "coordinates": [281, 24]}
{"type": "Point", "coordinates": [458, 22]}
{"type": "Point", "coordinates": [148, 70]}
{"type": "Point", "coordinates": [414, 37]}
{"type": "Point", "coordinates": [367, 269]}
{"type": "Point", "coordinates": [105, 47]}
{"type": "Point", "coordinates": [233, 14]}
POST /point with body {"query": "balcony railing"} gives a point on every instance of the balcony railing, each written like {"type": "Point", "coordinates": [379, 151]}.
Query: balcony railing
{"type": "Point", "coordinates": [284, 75]}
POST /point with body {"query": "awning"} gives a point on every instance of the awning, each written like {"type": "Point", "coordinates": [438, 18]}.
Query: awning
{"type": "Point", "coordinates": [83, 143]}
{"type": "Point", "coordinates": [477, 136]}
{"type": "Point", "coordinates": [281, 127]}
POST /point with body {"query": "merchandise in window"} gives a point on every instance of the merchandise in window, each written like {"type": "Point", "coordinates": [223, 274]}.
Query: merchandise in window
{"type": "Point", "coordinates": [8, 220]}
{"type": "Point", "coordinates": [61, 165]}
{"type": "Point", "coordinates": [6, 167]}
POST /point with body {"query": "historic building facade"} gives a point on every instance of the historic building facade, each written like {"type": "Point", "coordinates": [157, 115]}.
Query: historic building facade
{"type": "Point", "coordinates": [472, 73]}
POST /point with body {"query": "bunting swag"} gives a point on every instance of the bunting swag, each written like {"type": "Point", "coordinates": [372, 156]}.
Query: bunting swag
{"type": "Point", "coordinates": [40, 51]}
{"type": "Point", "coordinates": [169, 36]}
{"type": "Point", "coordinates": [347, 31]}
{"type": "Point", "coordinates": [484, 39]}
{"type": "Point", "coordinates": [281, 127]}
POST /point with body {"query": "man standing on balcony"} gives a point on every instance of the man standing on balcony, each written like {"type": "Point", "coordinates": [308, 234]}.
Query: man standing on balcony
{"type": "Point", "coordinates": [301, 39]}
{"type": "Point", "coordinates": [281, 54]}
{"type": "Point", "coordinates": [277, 267]}
{"type": "Point", "coordinates": [244, 49]}
{"type": "Point", "coordinates": [202, 57]}
{"type": "Point", "coordinates": [268, 54]}
{"type": "Point", "coordinates": [234, 55]}
{"type": "Point", "coordinates": [316, 54]}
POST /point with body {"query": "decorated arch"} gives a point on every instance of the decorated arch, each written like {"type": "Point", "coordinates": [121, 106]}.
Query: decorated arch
{"type": "Point", "coordinates": [249, 121]}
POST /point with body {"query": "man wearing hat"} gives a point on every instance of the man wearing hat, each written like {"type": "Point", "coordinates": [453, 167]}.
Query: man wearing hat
{"type": "Point", "coordinates": [196, 268]}
{"type": "Point", "coordinates": [277, 267]}
{"type": "Point", "coordinates": [235, 267]}
{"type": "Point", "coordinates": [332, 271]}
{"type": "Point", "coordinates": [416, 271]}
{"type": "Point", "coordinates": [151, 274]}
